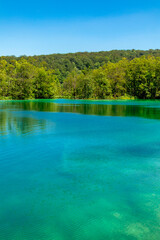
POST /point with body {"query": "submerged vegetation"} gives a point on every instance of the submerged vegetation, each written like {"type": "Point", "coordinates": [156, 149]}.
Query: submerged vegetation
{"type": "Point", "coordinates": [103, 75]}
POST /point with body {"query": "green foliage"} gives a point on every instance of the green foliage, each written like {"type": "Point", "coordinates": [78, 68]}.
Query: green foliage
{"type": "Point", "coordinates": [138, 78]}
{"type": "Point", "coordinates": [65, 63]}
{"type": "Point", "coordinates": [103, 75]}
{"type": "Point", "coordinates": [46, 84]}
{"type": "Point", "coordinates": [22, 80]}
{"type": "Point", "coordinates": [116, 73]}
{"type": "Point", "coordinates": [101, 84]}
{"type": "Point", "coordinates": [142, 77]}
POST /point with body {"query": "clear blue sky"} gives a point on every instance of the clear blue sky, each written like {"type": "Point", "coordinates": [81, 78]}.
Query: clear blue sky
{"type": "Point", "coordinates": [35, 27]}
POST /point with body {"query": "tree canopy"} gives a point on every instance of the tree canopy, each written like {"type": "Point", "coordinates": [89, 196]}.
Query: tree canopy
{"type": "Point", "coordinates": [103, 75]}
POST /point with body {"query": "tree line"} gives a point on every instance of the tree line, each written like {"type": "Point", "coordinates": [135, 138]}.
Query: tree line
{"type": "Point", "coordinates": [127, 78]}
{"type": "Point", "coordinates": [22, 80]}
{"type": "Point", "coordinates": [65, 63]}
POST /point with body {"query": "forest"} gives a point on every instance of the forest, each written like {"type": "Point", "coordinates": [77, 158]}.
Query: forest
{"type": "Point", "coordinates": [117, 74]}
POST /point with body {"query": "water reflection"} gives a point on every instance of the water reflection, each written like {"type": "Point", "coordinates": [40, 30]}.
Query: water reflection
{"type": "Point", "coordinates": [149, 110]}
{"type": "Point", "coordinates": [11, 122]}
{"type": "Point", "coordinates": [96, 180]}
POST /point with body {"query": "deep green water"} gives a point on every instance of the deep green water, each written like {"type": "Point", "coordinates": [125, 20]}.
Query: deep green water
{"type": "Point", "coordinates": [79, 170]}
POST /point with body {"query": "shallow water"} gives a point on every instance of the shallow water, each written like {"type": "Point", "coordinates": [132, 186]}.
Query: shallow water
{"type": "Point", "coordinates": [79, 170]}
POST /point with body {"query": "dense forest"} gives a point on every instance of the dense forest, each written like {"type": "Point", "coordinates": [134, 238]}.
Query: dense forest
{"type": "Point", "coordinates": [101, 75]}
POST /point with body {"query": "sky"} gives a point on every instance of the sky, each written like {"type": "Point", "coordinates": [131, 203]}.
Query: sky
{"type": "Point", "coordinates": [34, 27]}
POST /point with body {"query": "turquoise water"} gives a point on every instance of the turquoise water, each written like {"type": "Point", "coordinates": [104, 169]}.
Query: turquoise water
{"type": "Point", "coordinates": [79, 170]}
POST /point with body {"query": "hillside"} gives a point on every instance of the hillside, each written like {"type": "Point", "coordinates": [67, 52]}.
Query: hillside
{"type": "Point", "coordinates": [65, 63]}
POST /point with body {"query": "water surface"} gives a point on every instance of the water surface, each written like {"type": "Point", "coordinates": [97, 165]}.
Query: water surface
{"type": "Point", "coordinates": [73, 170]}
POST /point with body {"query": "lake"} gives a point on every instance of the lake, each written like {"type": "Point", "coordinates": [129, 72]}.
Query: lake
{"type": "Point", "coordinates": [79, 170]}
